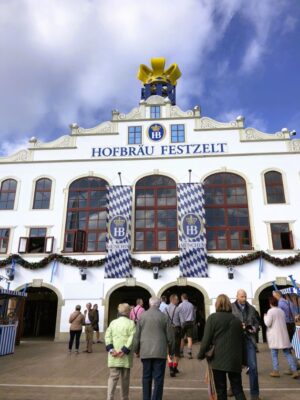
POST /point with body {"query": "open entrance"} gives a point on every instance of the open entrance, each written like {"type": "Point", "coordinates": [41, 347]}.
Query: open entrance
{"type": "Point", "coordinates": [40, 313]}
{"type": "Point", "coordinates": [126, 294]}
{"type": "Point", "coordinates": [197, 299]}
{"type": "Point", "coordinates": [264, 305]}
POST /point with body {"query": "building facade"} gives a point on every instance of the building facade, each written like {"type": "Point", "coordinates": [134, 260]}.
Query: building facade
{"type": "Point", "coordinates": [61, 201]}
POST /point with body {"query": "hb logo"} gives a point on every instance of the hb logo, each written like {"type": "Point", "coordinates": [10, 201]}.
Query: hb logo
{"type": "Point", "coordinates": [192, 225]}
{"type": "Point", "coordinates": [118, 227]}
{"type": "Point", "coordinates": [156, 132]}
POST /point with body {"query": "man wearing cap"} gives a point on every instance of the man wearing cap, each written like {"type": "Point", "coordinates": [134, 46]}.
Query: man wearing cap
{"type": "Point", "coordinates": [118, 340]}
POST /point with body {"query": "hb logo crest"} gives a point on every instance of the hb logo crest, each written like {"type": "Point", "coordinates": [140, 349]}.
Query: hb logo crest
{"type": "Point", "coordinates": [156, 132]}
{"type": "Point", "coordinates": [118, 227]}
{"type": "Point", "coordinates": [192, 226]}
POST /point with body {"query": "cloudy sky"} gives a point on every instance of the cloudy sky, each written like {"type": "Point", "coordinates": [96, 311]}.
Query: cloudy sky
{"type": "Point", "coordinates": [65, 61]}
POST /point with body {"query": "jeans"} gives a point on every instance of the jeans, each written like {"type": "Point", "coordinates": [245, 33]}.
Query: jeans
{"type": "Point", "coordinates": [235, 380]}
{"type": "Point", "coordinates": [153, 369]}
{"type": "Point", "coordinates": [252, 364]}
{"type": "Point", "coordinates": [76, 335]}
{"type": "Point", "coordinates": [289, 357]}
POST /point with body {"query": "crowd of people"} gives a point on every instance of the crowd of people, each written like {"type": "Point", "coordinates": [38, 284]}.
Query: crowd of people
{"type": "Point", "coordinates": [158, 337]}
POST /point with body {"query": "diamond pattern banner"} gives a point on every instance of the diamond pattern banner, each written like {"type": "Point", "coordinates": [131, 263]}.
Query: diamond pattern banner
{"type": "Point", "coordinates": [118, 241]}
{"type": "Point", "coordinates": [191, 228]}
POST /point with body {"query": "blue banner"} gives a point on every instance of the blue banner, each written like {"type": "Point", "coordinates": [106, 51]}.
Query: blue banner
{"type": "Point", "coordinates": [118, 242]}
{"type": "Point", "coordinates": [191, 228]}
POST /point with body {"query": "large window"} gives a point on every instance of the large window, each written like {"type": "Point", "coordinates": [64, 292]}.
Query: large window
{"type": "Point", "coordinates": [177, 133]}
{"type": "Point", "coordinates": [134, 135]}
{"type": "Point", "coordinates": [274, 187]}
{"type": "Point", "coordinates": [86, 216]}
{"type": "Point", "coordinates": [42, 194]}
{"type": "Point", "coordinates": [155, 214]}
{"type": "Point", "coordinates": [8, 194]}
{"type": "Point", "coordinates": [282, 237]}
{"type": "Point", "coordinates": [4, 238]}
{"type": "Point", "coordinates": [227, 217]}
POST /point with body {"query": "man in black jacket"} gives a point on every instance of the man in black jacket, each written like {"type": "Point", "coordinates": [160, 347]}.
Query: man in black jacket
{"type": "Point", "coordinates": [247, 315]}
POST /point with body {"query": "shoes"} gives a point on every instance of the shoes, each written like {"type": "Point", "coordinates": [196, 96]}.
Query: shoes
{"type": "Point", "coordinates": [247, 371]}
{"type": "Point", "coordinates": [190, 356]}
{"type": "Point", "coordinates": [256, 398]}
{"type": "Point", "coordinates": [229, 393]}
{"type": "Point", "coordinates": [295, 375]}
{"type": "Point", "coordinates": [70, 351]}
{"type": "Point", "coordinates": [172, 372]}
{"type": "Point", "coordinates": [77, 352]}
{"type": "Point", "coordinates": [275, 374]}
{"type": "Point", "coordinates": [181, 355]}
{"type": "Point", "coordinates": [176, 370]}
{"type": "Point", "coordinates": [289, 372]}
{"type": "Point", "coordinates": [86, 351]}
{"type": "Point", "coordinates": [99, 341]}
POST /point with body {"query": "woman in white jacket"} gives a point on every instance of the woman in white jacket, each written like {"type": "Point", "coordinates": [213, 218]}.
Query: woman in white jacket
{"type": "Point", "coordinates": [278, 338]}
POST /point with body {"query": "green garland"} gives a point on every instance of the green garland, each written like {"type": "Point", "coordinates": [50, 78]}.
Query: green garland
{"type": "Point", "coordinates": [172, 262]}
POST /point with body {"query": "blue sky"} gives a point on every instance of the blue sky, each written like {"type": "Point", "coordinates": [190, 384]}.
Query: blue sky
{"type": "Point", "coordinates": [65, 61]}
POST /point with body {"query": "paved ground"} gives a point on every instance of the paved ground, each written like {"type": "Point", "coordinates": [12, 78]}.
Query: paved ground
{"type": "Point", "coordinates": [42, 370]}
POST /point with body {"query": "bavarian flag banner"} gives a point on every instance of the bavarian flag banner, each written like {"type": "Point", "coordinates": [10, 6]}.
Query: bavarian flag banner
{"type": "Point", "coordinates": [118, 241]}
{"type": "Point", "coordinates": [191, 228]}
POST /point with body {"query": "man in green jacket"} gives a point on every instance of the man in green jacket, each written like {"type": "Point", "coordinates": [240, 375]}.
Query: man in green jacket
{"type": "Point", "coordinates": [118, 340]}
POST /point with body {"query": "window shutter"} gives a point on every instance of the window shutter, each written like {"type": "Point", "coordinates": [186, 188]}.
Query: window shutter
{"type": "Point", "coordinates": [23, 241]}
{"type": "Point", "coordinates": [49, 240]}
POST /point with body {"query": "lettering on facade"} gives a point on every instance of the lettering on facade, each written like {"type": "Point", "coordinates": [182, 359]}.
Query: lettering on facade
{"type": "Point", "coordinates": [159, 151]}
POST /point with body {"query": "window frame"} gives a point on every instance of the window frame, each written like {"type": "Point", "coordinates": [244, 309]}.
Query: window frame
{"type": "Point", "coordinates": [155, 230]}
{"type": "Point", "coordinates": [287, 234]}
{"type": "Point", "coordinates": [133, 140]}
{"type": "Point", "coordinates": [227, 208]}
{"type": "Point", "coordinates": [25, 243]}
{"type": "Point", "coordinates": [270, 185]}
{"type": "Point", "coordinates": [3, 238]}
{"type": "Point", "coordinates": [155, 112]}
{"type": "Point", "coordinates": [42, 191]}
{"type": "Point", "coordinates": [8, 191]}
{"type": "Point", "coordinates": [175, 127]}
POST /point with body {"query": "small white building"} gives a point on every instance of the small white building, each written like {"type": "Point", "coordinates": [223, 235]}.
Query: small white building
{"type": "Point", "coordinates": [54, 210]}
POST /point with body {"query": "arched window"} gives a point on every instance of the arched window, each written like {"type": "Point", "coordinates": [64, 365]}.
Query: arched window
{"type": "Point", "coordinates": [42, 194]}
{"type": "Point", "coordinates": [8, 194]}
{"type": "Point", "coordinates": [226, 213]}
{"type": "Point", "coordinates": [86, 215]}
{"type": "Point", "coordinates": [155, 214]}
{"type": "Point", "coordinates": [274, 187]}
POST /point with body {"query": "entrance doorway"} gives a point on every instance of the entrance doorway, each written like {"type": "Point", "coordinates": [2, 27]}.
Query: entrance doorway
{"type": "Point", "coordinates": [264, 305]}
{"type": "Point", "coordinates": [196, 297]}
{"type": "Point", "coordinates": [126, 294]}
{"type": "Point", "coordinates": [40, 313]}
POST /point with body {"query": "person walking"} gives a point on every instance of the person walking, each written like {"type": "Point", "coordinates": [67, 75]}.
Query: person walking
{"type": "Point", "coordinates": [153, 336]}
{"type": "Point", "coordinates": [76, 320]}
{"type": "Point", "coordinates": [187, 315]}
{"type": "Point", "coordinates": [89, 320]}
{"type": "Point", "coordinates": [163, 303]}
{"type": "Point", "coordinates": [224, 331]}
{"type": "Point", "coordinates": [246, 313]}
{"type": "Point", "coordinates": [278, 338]}
{"type": "Point", "coordinates": [96, 323]}
{"type": "Point", "coordinates": [137, 311]}
{"type": "Point", "coordinates": [173, 313]}
{"type": "Point", "coordinates": [118, 340]}
{"type": "Point", "coordinates": [286, 308]}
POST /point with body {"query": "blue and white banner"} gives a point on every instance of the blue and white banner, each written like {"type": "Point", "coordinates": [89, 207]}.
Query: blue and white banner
{"type": "Point", "coordinates": [118, 242]}
{"type": "Point", "coordinates": [191, 228]}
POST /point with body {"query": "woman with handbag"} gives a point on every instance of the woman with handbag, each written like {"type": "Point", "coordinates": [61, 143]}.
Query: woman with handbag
{"type": "Point", "coordinates": [223, 342]}
{"type": "Point", "coordinates": [76, 320]}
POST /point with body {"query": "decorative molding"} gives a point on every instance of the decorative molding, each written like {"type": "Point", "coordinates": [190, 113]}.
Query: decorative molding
{"type": "Point", "coordinates": [155, 100]}
{"type": "Point", "coordinates": [20, 156]}
{"type": "Point", "coordinates": [63, 142]}
{"type": "Point", "coordinates": [294, 145]}
{"type": "Point", "coordinates": [105, 128]}
{"type": "Point", "coordinates": [206, 123]}
{"type": "Point", "coordinates": [176, 112]}
{"type": "Point", "coordinates": [37, 282]}
{"type": "Point", "coordinates": [252, 134]}
{"type": "Point", "coordinates": [182, 281]}
{"type": "Point", "coordinates": [135, 113]}
{"type": "Point", "coordinates": [130, 282]}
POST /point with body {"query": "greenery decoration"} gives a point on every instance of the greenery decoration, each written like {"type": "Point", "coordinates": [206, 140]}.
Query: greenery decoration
{"type": "Point", "coordinates": [172, 262]}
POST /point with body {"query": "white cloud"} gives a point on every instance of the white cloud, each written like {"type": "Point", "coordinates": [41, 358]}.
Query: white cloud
{"type": "Point", "coordinates": [62, 58]}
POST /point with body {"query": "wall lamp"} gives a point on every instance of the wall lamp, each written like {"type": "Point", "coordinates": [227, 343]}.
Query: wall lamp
{"type": "Point", "coordinates": [155, 261]}
{"type": "Point", "coordinates": [230, 270]}
{"type": "Point", "coordinates": [10, 273]}
{"type": "Point", "coordinates": [82, 272]}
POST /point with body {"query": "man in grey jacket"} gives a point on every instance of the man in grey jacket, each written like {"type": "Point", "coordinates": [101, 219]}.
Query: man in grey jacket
{"type": "Point", "coordinates": [152, 338]}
